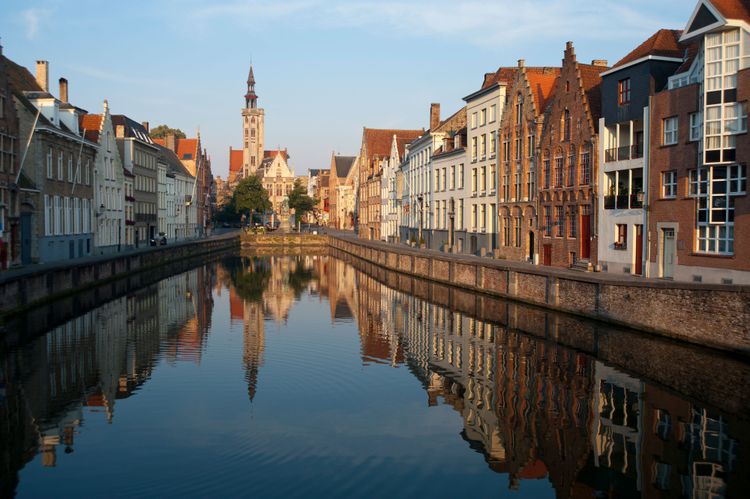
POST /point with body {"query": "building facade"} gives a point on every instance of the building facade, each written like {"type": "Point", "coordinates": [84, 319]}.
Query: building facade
{"type": "Point", "coordinates": [483, 110]}
{"type": "Point", "coordinates": [109, 183]}
{"type": "Point", "coordinates": [521, 126]}
{"type": "Point", "coordinates": [569, 165]}
{"type": "Point", "coordinates": [699, 217]}
{"type": "Point", "coordinates": [10, 229]}
{"type": "Point", "coordinates": [624, 149]}
{"type": "Point", "coordinates": [449, 162]}
{"type": "Point", "coordinates": [341, 211]}
{"type": "Point", "coordinates": [139, 157]}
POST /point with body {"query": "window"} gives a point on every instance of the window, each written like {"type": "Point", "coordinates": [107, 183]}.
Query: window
{"type": "Point", "coordinates": [483, 179]}
{"type": "Point", "coordinates": [585, 168]}
{"type": "Point", "coordinates": [519, 147]}
{"type": "Point", "coordinates": [517, 186]}
{"type": "Point", "coordinates": [473, 180]}
{"type": "Point", "coordinates": [506, 231]}
{"type": "Point", "coordinates": [517, 230]}
{"type": "Point", "coordinates": [559, 221]}
{"type": "Point", "coordinates": [473, 120]}
{"type": "Point", "coordinates": [718, 239]}
{"type": "Point", "coordinates": [48, 216]}
{"type": "Point", "coordinates": [49, 163]}
{"type": "Point", "coordinates": [669, 184]}
{"type": "Point", "coordinates": [68, 210]}
{"type": "Point", "coordinates": [493, 143]}
{"type": "Point", "coordinates": [493, 179]}
{"type": "Point", "coordinates": [698, 182]}
{"type": "Point", "coordinates": [483, 117]}
{"type": "Point", "coordinates": [623, 91]}
{"type": "Point", "coordinates": [58, 215]}
{"type": "Point", "coordinates": [483, 217]}
{"type": "Point", "coordinates": [546, 168]}
{"type": "Point", "coordinates": [669, 127]}
{"type": "Point", "coordinates": [566, 125]}
{"type": "Point", "coordinates": [531, 145]}
{"type": "Point", "coordinates": [519, 109]}
{"type": "Point", "coordinates": [547, 221]}
{"type": "Point", "coordinates": [474, 217]}
{"type": "Point", "coordinates": [60, 166]}
{"type": "Point", "coordinates": [621, 236]}
{"type": "Point", "coordinates": [572, 219]}
{"type": "Point", "coordinates": [483, 145]}
{"type": "Point", "coordinates": [461, 176]}
{"type": "Point", "coordinates": [531, 185]}
{"type": "Point", "coordinates": [696, 123]}
{"type": "Point", "coordinates": [474, 148]}
{"type": "Point", "coordinates": [493, 112]}
{"type": "Point", "coordinates": [571, 176]}
{"type": "Point", "coordinates": [559, 171]}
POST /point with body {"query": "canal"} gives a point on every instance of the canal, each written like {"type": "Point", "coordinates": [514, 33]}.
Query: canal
{"type": "Point", "coordinates": [317, 375]}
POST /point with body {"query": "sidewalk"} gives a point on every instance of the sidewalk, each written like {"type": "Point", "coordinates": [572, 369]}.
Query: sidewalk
{"type": "Point", "coordinates": [29, 270]}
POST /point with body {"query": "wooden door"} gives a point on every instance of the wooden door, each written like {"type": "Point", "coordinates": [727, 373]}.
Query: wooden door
{"type": "Point", "coordinates": [547, 254]}
{"type": "Point", "coordinates": [639, 250]}
{"type": "Point", "coordinates": [585, 237]}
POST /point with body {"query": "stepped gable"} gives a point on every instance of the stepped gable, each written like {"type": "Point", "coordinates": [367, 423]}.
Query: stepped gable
{"type": "Point", "coordinates": [591, 82]}
{"type": "Point", "coordinates": [542, 82]}
{"type": "Point", "coordinates": [92, 123]}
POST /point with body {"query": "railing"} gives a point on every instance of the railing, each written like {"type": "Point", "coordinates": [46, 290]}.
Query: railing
{"type": "Point", "coordinates": [623, 153]}
{"type": "Point", "coordinates": [623, 201]}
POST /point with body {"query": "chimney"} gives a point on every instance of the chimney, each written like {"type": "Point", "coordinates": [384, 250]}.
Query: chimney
{"type": "Point", "coordinates": [602, 63]}
{"type": "Point", "coordinates": [434, 115]}
{"type": "Point", "coordinates": [63, 90]}
{"type": "Point", "coordinates": [521, 63]}
{"type": "Point", "coordinates": [145, 125]}
{"type": "Point", "coordinates": [120, 131]}
{"type": "Point", "coordinates": [170, 142]}
{"type": "Point", "coordinates": [42, 75]}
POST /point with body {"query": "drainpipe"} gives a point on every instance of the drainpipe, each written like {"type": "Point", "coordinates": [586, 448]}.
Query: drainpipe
{"type": "Point", "coordinates": [646, 187]}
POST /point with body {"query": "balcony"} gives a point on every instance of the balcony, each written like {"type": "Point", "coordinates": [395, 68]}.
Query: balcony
{"type": "Point", "coordinates": [623, 153]}
{"type": "Point", "coordinates": [623, 201]}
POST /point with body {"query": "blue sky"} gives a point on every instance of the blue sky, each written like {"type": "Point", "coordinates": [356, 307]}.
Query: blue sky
{"type": "Point", "coordinates": [324, 68]}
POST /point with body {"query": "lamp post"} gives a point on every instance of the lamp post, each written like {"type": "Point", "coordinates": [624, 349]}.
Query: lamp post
{"type": "Point", "coordinates": [421, 217]}
{"type": "Point", "coordinates": [451, 229]}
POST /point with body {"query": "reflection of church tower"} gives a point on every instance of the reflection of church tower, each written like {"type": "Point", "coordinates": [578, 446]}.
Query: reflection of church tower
{"type": "Point", "coordinates": [253, 127]}
{"type": "Point", "coordinates": [254, 339]}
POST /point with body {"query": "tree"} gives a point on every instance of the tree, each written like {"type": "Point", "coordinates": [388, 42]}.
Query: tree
{"type": "Point", "coordinates": [250, 195]}
{"type": "Point", "coordinates": [299, 201]}
{"type": "Point", "coordinates": [162, 131]}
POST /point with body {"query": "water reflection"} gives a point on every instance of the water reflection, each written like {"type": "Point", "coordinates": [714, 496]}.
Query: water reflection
{"type": "Point", "coordinates": [534, 408]}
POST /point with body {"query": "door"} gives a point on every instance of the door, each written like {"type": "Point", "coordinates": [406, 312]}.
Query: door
{"type": "Point", "coordinates": [585, 237]}
{"type": "Point", "coordinates": [25, 238]}
{"type": "Point", "coordinates": [547, 254]}
{"type": "Point", "coordinates": [531, 246]}
{"type": "Point", "coordinates": [668, 253]}
{"type": "Point", "coordinates": [638, 250]}
{"type": "Point", "coordinates": [473, 245]}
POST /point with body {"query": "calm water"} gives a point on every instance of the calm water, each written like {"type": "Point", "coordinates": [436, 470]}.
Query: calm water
{"type": "Point", "coordinates": [301, 376]}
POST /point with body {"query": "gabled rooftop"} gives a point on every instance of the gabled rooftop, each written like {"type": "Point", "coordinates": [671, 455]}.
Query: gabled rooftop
{"type": "Point", "coordinates": [663, 43]}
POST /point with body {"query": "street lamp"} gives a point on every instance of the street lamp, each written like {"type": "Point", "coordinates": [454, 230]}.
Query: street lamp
{"type": "Point", "coordinates": [421, 217]}
{"type": "Point", "coordinates": [451, 229]}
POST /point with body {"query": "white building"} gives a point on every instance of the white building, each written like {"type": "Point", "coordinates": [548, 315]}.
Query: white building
{"type": "Point", "coordinates": [161, 196]}
{"type": "Point", "coordinates": [450, 193]}
{"type": "Point", "coordinates": [483, 111]}
{"type": "Point", "coordinates": [389, 212]}
{"type": "Point", "coordinates": [109, 183]}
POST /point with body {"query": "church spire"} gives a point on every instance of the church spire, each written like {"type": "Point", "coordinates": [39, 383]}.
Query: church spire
{"type": "Point", "coordinates": [250, 97]}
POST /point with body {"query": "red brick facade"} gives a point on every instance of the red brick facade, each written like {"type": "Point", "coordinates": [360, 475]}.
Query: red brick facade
{"type": "Point", "coordinates": [568, 165]}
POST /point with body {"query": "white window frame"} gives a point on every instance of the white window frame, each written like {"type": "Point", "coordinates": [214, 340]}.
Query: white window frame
{"type": "Point", "coordinates": [670, 130]}
{"type": "Point", "coordinates": [669, 184]}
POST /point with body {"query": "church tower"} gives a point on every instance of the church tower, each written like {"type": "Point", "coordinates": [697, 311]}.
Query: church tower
{"type": "Point", "coordinates": [253, 127]}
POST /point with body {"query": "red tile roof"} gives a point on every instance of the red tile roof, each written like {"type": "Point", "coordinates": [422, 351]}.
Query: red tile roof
{"type": "Point", "coordinates": [542, 82]}
{"type": "Point", "coordinates": [235, 159]}
{"type": "Point", "coordinates": [161, 142]}
{"type": "Point", "coordinates": [378, 141]}
{"type": "Point", "coordinates": [503, 74]}
{"type": "Point", "coordinates": [92, 123]}
{"type": "Point", "coordinates": [733, 9]}
{"type": "Point", "coordinates": [275, 152]}
{"type": "Point", "coordinates": [187, 149]}
{"type": "Point", "coordinates": [690, 53]}
{"type": "Point", "coordinates": [664, 42]}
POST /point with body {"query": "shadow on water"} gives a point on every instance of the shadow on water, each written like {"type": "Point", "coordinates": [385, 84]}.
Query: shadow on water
{"type": "Point", "coordinates": [597, 411]}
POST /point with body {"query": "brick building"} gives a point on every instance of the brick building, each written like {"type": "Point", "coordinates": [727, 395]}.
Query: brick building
{"type": "Point", "coordinates": [10, 230]}
{"type": "Point", "coordinates": [376, 147]}
{"type": "Point", "coordinates": [568, 159]}
{"type": "Point", "coordinates": [699, 218]}
{"type": "Point", "coordinates": [520, 128]}
{"type": "Point", "coordinates": [341, 172]}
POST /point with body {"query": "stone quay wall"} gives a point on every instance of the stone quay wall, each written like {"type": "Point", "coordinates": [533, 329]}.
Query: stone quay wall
{"type": "Point", "coordinates": [27, 288]}
{"type": "Point", "coordinates": [716, 316]}
{"type": "Point", "coordinates": [285, 239]}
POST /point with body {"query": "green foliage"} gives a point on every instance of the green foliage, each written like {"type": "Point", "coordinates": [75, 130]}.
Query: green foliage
{"type": "Point", "coordinates": [299, 278]}
{"type": "Point", "coordinates": [162, 131]}
{"type": "Point", "coordinates": [250, 276]}
{"type": "Point", "coordinates": [250, 195]}
{"type": "Point", "coordinates": [299, 201]}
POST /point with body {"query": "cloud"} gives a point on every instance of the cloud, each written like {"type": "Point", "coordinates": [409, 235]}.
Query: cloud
{"type": "Point", "coordinates": [481, 23]}
{"type": "Point", "coordinates": [32, 19]}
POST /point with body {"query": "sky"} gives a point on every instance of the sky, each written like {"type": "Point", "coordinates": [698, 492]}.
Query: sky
{"type": "Point", "coordinates": [324, 69]}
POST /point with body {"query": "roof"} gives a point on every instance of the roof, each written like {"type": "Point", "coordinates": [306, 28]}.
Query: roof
{"type": "Point", "coordinates": [133, 129]}
{"type": "Point", "coordinates": [733, 9]}
{"type": "Point", "coordinates": [20, 78]}
{"type": "Point", "coordinates": [453, 122]}
{"type": "Point", "coordinates": [591, 81]}
{"type": "Point", "coordinates": [379, 141]}
{"type": "Point", "coordinates": [542, 82]}
{"type": "Point", "coordinates": [92, 123]}
{"type": "Point", "coordinates": [273, 152]}
{"type": "Point", "coordinates": [690, 53]}
{"type": "Point", "coordinates": [663, 43]}
{"type": "Point", "coordinates": [173, 162]}
{"type": "Point", "coordinates": [187, 149]}
{"type": "Point", "coordinates": [235, 159]}
{"type": "Point", "coordinates": [343, 164]}
{"type": "Point", "coordinates": [503, 74]}
{"type": "Point", "coordinates": [314, 172]}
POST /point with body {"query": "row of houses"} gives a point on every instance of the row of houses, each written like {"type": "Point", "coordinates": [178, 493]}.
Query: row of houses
{"type": "Point", "coordinates": [639, 168]}
{"type": "Point", "coordinates": [75, 184]}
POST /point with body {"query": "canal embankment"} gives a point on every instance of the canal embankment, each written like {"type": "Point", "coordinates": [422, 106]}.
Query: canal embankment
{"type": "Point", "coordinates": [24, 289]}
{"type": "Point", "coordinates": [716, 316]}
